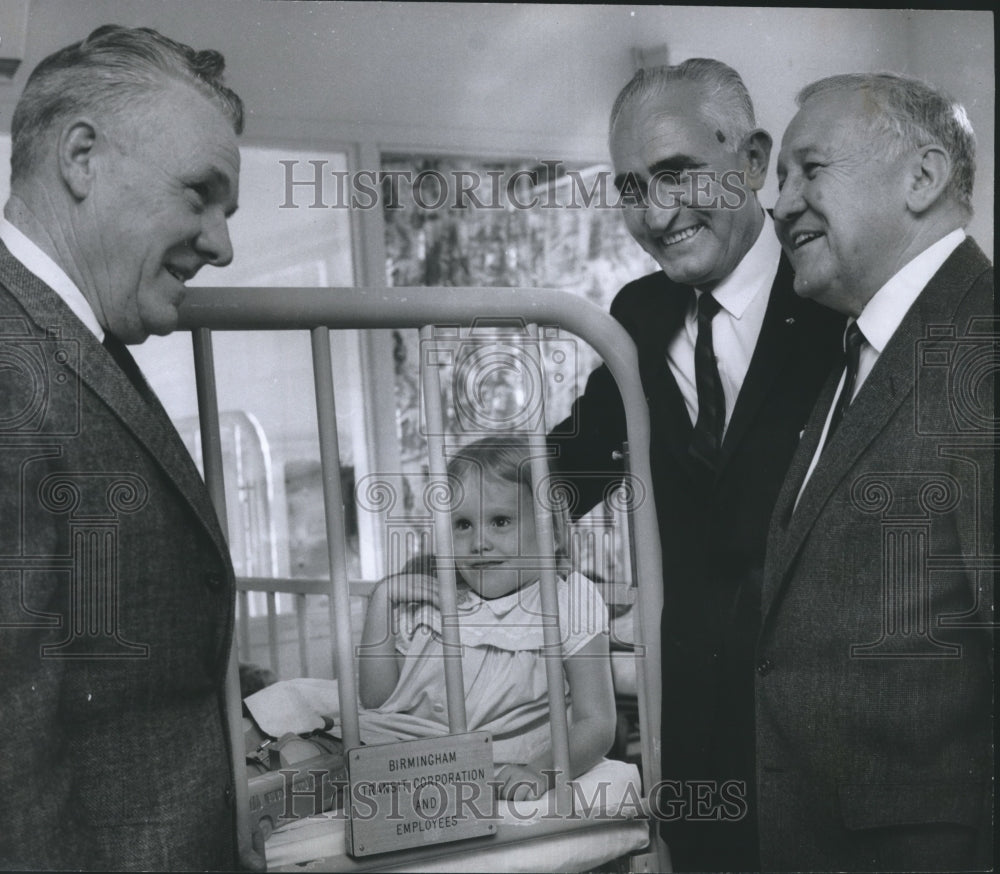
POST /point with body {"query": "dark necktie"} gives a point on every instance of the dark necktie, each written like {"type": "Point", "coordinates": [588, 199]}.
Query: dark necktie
{"type": "Point", "coordinates": [852, 344]}
{"type": "Point", "coordinates": [127, 363]}
{"type": "Point", "coordinates": [706, 441]}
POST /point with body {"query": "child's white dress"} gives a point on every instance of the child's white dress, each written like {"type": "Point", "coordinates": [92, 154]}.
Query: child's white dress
{"type": "Point", "coordinates": [503, 667]}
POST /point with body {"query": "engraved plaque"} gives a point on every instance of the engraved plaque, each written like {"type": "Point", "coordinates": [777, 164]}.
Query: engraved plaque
{"type": "Point", "coordinates": [413, 793]}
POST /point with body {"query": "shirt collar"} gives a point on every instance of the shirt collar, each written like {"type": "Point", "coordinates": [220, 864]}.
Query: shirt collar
{"type": "Point", "coordinates": [755, 271]}
{"type": "Point", "coordinates": [501, 606]}
{"type": "Point", "coordinates": [883, 313]}
{"type": "Point", "coordinates": [41, 265]}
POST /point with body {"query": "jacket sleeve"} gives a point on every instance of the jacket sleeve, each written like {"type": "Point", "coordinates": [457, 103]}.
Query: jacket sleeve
{"type": "Point", "coordinates": [589, 443]}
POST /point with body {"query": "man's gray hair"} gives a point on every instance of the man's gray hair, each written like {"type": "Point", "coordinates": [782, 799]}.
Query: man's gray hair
{"type": "Point", "coordinates": [913, 114]}
{"type": "Point", "coordinates": [726, 105]}
{"type": "Point", "coordinates": [113, 70]}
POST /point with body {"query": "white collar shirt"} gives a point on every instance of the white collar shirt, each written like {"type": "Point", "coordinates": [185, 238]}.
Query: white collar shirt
{"type": "Point", "coordinates": [882, 316]}
{"type": "Point", "coordinates": [41, 265]}
{"type": "Point", "coordinates": [743, 297]}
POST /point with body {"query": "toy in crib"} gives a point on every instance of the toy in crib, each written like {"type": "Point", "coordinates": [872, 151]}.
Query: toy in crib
{"type": "Point", "coordinates": [293, 777]}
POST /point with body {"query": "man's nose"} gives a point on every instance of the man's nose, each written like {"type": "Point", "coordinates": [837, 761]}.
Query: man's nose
{"type": "Point", "coordinates": [663, 202]}
{"type": "Point", "coordinates": [213, 242]}
{"type": "Point", "coordinates": [790, 202]}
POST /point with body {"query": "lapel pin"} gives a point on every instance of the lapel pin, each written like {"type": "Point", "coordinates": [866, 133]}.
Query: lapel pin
{"type": "Point", "coordinates": [790, 320]}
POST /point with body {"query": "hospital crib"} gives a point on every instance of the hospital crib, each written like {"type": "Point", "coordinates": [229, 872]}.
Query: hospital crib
{"type": "Point", "coordinates": [575, 839]}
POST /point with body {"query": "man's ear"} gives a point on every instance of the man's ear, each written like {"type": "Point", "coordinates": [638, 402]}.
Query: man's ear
{"type": "Point", "coordinates": [76, 156]}
{"type": "Point", "coordinates": [928, 172]}
{"type": "Point", "coordinates": [755, 149]}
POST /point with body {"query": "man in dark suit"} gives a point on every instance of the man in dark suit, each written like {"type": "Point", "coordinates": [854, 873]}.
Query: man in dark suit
{"type": "Point", "coordinates": [116, 588]}
{"type": "Point", "coordinates": [731, 361]}
{"type": "Point", "coordinates": [874, 674]}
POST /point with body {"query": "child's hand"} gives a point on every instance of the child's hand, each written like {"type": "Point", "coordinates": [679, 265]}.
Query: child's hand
{"type": "Point", "coordinates": [521, 783]}
{"type": "Point", "coordinates": [412, 589]}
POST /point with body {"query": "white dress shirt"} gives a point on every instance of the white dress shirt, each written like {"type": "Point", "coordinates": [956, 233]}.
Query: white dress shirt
{"type": "Point", "coordinates": [743, 297]}
{"type": "Point", "coordinates": [42, 266]}
{"type": "Point", "coordinates": [883, 314]}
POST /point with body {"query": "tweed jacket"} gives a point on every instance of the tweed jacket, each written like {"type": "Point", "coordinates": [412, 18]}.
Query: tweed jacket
{"type": "Point", "coordinates": [116, 612]}
{"type": "Point", "coordinates": [874, 661]}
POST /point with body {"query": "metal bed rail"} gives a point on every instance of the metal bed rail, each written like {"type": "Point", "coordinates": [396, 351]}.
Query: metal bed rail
{"type": "Point", "coordinates": [300, 587]}
{"type": "Point", "coordinates": [319, 311]}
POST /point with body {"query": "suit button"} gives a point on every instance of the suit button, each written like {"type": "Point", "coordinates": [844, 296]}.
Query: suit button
{"type": "Point", "coordinates": [214, 580]}
{"type": "Point", "coordinates": [764, 667]}
{"type": "Point", "coordinates": [228, 795]}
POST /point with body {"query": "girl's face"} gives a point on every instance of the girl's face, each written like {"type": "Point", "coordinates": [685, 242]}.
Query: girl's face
{"type": "Point", "coordinates": [493, 531]}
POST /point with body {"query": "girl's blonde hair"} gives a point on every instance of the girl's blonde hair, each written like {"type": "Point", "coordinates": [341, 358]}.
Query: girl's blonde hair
{"type": "Point", "coordinates": [508, 458]}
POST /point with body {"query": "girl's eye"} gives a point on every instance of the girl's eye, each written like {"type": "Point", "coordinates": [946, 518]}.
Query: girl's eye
{"type": "Point", "coordinates": [462, 524]}
{"type": "Point", "coordinates": [501, 521]}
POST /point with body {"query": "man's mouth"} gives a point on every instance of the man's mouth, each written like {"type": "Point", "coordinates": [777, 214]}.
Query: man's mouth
{"type": "Point", "coordinates": [680, 236]}
{"type": "Point", "coordinates": [179, 274]}
{"type": "Point", "coordinates": [800, 238]}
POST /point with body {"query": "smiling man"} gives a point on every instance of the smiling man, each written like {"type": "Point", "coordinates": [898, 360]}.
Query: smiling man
{"type": "Point", "coordinates": [116, 588]}
{"type": "Point", "coordinates": [731, 361]}
{"type": "Point", "coordinates": [875, 683]}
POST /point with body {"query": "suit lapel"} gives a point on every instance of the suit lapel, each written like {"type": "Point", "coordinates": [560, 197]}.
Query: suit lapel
{"type": "Point", "coordinates": [661, 322]}
{"type": "Point", "coordinates": [145, 419]}
{"type": "Point", "coordinates": [770, 354]}
{"type": "Point", "coordinates": [889, 384]}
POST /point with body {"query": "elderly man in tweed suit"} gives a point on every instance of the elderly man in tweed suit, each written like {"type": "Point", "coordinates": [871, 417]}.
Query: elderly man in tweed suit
{"type": "Point", "coordinates": [116, 588]}
{"type": "Point", "coordinates": [874, 662]}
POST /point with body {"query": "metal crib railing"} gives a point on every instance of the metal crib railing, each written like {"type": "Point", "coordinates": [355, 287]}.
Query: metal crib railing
{"type": "Point", "coordinates": [320, 310]}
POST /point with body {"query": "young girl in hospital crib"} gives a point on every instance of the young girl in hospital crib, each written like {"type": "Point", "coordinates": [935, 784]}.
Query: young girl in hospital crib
{"type": "Point", "coordinates": [497, 564]}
